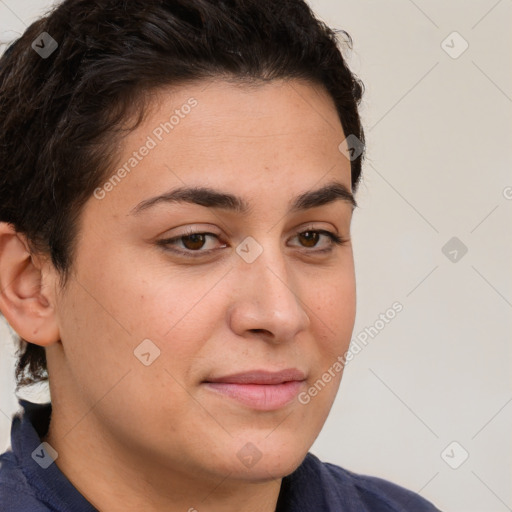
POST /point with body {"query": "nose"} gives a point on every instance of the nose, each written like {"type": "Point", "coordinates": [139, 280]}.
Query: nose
{"type": "Point", "coordinates": [267, 301]}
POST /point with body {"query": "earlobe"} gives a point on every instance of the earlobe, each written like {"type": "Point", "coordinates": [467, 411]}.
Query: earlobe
{"type": "Point", "coordinates": [25, 294]}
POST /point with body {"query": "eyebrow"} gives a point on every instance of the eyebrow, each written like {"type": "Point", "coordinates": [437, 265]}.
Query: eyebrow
{"type": "Point", "coordinates": [211, 198]}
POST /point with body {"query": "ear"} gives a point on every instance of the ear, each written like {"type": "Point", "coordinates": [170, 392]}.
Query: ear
{"type": "Point", "coordinates": [26, 289]}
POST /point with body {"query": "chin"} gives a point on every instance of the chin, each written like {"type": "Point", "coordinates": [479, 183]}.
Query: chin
{"type": "Point", "coordinates": [265, 464]}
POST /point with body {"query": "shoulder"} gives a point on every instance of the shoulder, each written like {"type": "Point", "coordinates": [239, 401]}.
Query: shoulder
{"type": "Point", "coordinates": [16, 495]}
{"type": "Point", "coordinates": [366, 492]}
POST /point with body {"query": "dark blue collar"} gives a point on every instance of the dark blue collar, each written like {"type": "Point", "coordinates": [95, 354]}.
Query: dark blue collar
{"type": "Point", "coordinates": [50, 484]}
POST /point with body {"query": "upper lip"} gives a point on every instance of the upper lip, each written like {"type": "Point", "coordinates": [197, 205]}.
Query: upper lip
{"type": "Point", "coordinates": [261, 377]}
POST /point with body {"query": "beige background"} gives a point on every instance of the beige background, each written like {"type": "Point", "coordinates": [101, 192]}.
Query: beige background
{"type": "Point", "coordinates": [438, 125]}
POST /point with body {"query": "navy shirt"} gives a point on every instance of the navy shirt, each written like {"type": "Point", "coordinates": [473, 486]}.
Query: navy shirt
{"type": "Point", "coordinates": [315, 486]}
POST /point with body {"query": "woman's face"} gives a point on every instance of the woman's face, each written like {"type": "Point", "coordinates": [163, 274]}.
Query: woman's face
{"type": "Point", "coordinates": [147, 326]}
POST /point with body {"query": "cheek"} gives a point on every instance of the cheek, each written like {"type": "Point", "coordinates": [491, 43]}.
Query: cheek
{"type": "Point", "coordinates": [177, 310]}
{"type": "Point", "coordinates": [105, 321]}
{"type": "Point", "coordinates": [96, 346]}
{"type": "Point", "coordinates": [332, 327]}
{"type": "Point", "coordinates": [148, 298]}
{"type": "Point", "coordinates": [335, 310]}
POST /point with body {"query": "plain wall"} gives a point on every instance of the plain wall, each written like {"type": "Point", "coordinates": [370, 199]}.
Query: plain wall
{"type": "Point", "coordinates": [438, 166]}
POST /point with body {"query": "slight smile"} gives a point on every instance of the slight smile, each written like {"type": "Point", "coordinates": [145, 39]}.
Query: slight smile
{"type": "Point", "coordinates": [260, 389]}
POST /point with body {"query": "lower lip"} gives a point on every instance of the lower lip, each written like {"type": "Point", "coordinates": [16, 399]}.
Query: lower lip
{"type": "Point", "coordinates": [264, 397]}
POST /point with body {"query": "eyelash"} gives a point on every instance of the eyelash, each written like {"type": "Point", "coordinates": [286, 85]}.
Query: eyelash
{"type": "Point", "coordinates": [335, 239]}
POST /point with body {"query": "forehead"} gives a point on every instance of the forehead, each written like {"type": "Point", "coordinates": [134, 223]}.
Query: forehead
{"type": "Point", "coordinates": [279, 135]}
{"type": "Point", "coordinates": [241, 111]}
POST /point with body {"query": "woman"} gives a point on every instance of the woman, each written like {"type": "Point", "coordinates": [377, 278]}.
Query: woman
{"type": "Point", "coordinates": [176, 198]}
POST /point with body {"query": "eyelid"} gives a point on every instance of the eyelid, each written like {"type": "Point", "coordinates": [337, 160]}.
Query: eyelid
{"type": "Point", "coordinates": [335, 239]}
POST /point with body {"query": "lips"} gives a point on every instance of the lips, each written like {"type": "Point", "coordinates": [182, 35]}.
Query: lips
{"type": "Point", "coordinates": [259, 389]}
{"type": "Point", "coordinates": [261, 377]}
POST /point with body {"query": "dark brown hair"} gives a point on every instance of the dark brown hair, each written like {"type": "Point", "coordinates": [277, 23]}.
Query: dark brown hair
{"type": "Point", "coordinates": [62, 113]}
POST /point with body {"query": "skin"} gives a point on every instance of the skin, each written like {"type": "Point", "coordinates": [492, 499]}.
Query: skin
{"type": "Point", "coordinates": [135, 437]}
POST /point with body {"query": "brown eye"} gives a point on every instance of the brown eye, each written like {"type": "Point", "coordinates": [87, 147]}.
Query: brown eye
{"type": "Point", "coordinates": [190, 244]}
{"type": "Point", "coordinates": [309, 237]}
{"type": "Point", "coordinates": [196, 241]}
